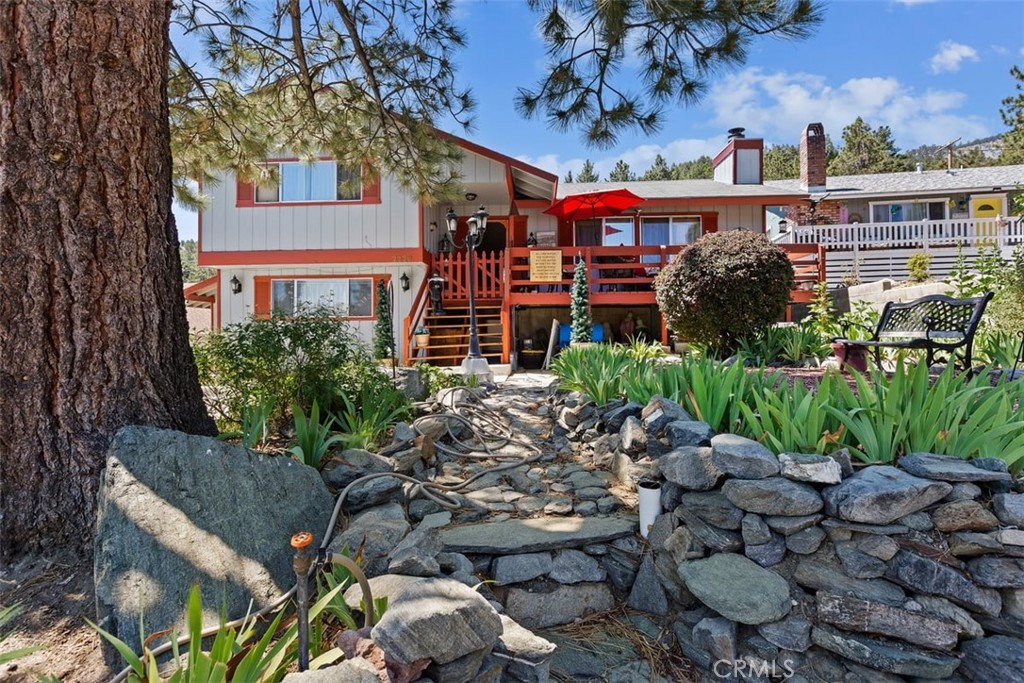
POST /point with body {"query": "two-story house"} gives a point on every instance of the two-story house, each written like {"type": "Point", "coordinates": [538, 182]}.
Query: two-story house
{"type": "Point", "coordinates": [321, 236]}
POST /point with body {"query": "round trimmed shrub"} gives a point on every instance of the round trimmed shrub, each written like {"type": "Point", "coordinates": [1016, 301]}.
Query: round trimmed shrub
{"type": "Point", "coordinates": [723, 287]}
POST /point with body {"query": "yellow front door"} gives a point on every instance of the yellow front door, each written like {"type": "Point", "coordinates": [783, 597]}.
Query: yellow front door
{"type": "Point", "coordinates": [987, 207]}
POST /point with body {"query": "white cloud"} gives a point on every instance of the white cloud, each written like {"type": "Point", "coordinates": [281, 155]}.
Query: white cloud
{"type": "Point", "coordinates": [778, 105]}
{"type": "Point", "coordinates": [949, 56]}
{"type": "Point", "coordinates": [915, 2]}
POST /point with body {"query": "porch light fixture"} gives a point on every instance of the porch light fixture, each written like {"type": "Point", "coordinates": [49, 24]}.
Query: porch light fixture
{"type": "Point", "coordinates": [452, 220]}
{"type": "Point", "coordinates": [531, 241]}
{"type": "Point", "coordinates": [433, 226]}
{"type": "Point", "coordinates": [236, 285]}
{"type": "Point", "coordinates": [471, 197]}
{"type": "Point", "coordinates": [404, 280]}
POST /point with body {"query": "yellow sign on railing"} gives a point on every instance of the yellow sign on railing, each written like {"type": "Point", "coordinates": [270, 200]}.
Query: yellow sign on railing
{"type": "Point", "coordinates": [546, 265]}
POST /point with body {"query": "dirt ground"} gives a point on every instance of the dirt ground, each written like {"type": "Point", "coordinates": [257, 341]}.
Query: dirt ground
{"type": "Point", "coordinates": [56, 595]}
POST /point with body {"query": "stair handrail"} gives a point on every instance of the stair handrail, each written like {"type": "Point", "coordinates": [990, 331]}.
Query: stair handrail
{"type": "Point", "coordinates": [413, 320]}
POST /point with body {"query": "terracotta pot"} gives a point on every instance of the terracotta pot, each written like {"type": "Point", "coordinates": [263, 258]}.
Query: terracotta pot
{"type": "Point", "coordinates": [422, 341]}
{"type": "Point", "coordinates": [857, 358]}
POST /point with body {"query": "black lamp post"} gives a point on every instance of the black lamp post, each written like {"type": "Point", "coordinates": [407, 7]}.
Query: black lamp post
{"type": "Point", "coordinates": [474, 363]}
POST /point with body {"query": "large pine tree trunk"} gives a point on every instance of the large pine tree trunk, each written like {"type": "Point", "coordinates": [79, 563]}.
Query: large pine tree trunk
{"type": "Point", "coordinates": [92, 322]}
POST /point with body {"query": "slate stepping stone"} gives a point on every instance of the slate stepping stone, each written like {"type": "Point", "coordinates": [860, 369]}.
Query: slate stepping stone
{"type": "Point", "coordinates": [948, 468]}
{"type": "Point", "coordinates": [737, 588]}
{"type": "Point", "coordinates": [882, 494]}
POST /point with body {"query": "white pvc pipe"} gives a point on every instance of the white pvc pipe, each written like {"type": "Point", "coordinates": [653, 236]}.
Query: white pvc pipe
{"type": "Point", "coordinates": [650, 504]}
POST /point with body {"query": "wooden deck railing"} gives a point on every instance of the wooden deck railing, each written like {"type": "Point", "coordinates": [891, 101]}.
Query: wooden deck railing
{"type": "Point", "coordinates": [488, 267]}
{"type": "Point", "coordinates": [968, 232]}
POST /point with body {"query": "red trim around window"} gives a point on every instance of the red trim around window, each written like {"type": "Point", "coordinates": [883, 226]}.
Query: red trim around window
{"type": "Point", "coordinates": [245, 193]}
{"type": "Point", "coordinates": [277, 257]}
{"type": "Point", "coordinates": [262, 304]}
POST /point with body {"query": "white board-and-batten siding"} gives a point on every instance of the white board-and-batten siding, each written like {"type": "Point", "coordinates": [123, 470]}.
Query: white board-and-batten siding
{"type": "Point", "coordinates": [391, 224]}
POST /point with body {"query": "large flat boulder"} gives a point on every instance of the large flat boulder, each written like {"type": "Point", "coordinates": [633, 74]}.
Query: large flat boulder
{"type": "Point", "coordinates": [176, 509]}
{"type": "Point", "coordinates": [737, 588]}
{"type": "Point", "coordinates": [514, 536]}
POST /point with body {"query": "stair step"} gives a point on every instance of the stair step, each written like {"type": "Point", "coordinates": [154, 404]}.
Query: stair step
{"type": "Point", "coordinates": [463, 345]}
{"type": "Point", "coordinates": [491, 357]}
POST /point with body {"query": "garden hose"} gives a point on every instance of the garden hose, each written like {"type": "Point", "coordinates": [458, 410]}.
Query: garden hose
{"type": "Point", "coordinates": [468, 410]}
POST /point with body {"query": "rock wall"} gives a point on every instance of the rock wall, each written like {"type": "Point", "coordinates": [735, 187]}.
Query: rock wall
{"type": "Point", "coordinates": [810, 568]}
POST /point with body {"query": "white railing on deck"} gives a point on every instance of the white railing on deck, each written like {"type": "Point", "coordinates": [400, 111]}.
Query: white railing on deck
{"type": "Point", "coordinates": [968, 232]}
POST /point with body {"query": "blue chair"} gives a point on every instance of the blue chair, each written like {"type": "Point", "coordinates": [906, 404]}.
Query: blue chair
{"type": "Point", "coordinates": [565, 334]}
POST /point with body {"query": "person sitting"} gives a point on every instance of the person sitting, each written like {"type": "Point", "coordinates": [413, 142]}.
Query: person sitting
{"type": "Point", "coordinates": [641, 334]}
{"type": "Point", "coordinates": [627, 328]}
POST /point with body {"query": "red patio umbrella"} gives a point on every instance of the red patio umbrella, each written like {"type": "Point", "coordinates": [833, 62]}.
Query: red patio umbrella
{"type": "Point", "coordinates": [576, 207]}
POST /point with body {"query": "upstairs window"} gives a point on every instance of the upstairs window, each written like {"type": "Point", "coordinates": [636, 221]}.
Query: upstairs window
{"type": "Point", "coordinates": [322, 181]}
{"type": "Point", "coordinates": [348, 297]}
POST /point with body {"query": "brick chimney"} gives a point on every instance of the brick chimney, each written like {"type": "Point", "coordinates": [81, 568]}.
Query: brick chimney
{"type": "Point", "coordinates": [812, 158]}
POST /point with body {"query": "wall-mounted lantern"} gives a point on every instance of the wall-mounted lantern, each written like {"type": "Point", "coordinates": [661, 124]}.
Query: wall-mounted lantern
{"type": "Point", "coordinates": [404, 280]}
{"type": "Point", "coordinates": [236, 285]}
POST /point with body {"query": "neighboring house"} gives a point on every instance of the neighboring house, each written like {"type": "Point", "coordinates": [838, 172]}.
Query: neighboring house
{"type": "Point", "coordinates": [324, 236]}
{"type": "Point", "coordinates": [870, 224]}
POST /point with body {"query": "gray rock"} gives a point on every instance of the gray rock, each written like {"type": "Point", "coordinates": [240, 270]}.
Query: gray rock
{"type": "Point", "coordinates": [877, 529]}
{"type": "Point", "coordinates": [1013, 537]}
{"type": "Point", "coordinates": [575, 566]}
{"type": "Point", "coordinates": [842, 456]}
{"type": "Point", "coordinates": [435, 520]}
{"type": "Point", "coordinates": [1009, 508]}
{"type": "Point", "coordinates": [529, 505]}
{"type": "Point", "coordinates": [997, 658]}
{"type": "Point", "coordinates": [854, 614]}
{"type": "Point", "coordinates": [631, 672]}
{"type": "Point", "coordinates": [531, 535]}
{"type": "Point", "coordinates": [437, 619]}
{"type": "Point", "coordinates": [737, 588]}
{"type": "Point", "coordinates": [356, 670]}
{"type": "Point", "coordinates": [743, 458]}
{"type": "Point", "coordinates": [767, 554]}
{"type": "Point", "coordinates": [792, 633]}
{"type": "Point", "coordinates": [647, 594]}
{"type": "Point", "coordinates": [963, 515]}
{"type": "Point", "coordinates": [1013, 603]}
{"type": "Point", "coordinates": [614, 419]}
{"type": "Point", "coordinates": [859, 564]}
{"type": "Point", "coordinates": [461, 670]}
{"type": "Point", "coordinates": [383, 586]}
{"type": "Point", "coordinates": [528, 656]}
{"type": "Point", "coordinates": [711, 536]}
{"type": "Point", "coordinates": [754, 530]}
{"type": "Point", "coordinates": [997, 572]}
{"type": "Point", "coordinates": [558, 505]}
{"type": "Point", "coordinates": [557, 604]}
{"type": "Point", "coordinates": [592, 493]}
{"type": "Point", "coordinates": [455, 563]}
{"type": "Point", "coordinates": [372, 493]}
{"type": "Point", "coordinates": [819, 469]}
{"type": "Point", "coordinates": [882, 494]}
{"type": "Point", "coordinates": [805, 542]}
{"type": "Point", "coordinates": [421, 508]}
{"type": "Point", "coordinates": [966, 626]}
{"type": "Point", "coordinates": [416, 554]}
{"type": "Point", "coordinates": [717, 636]}
{"type": "Point", "coordinates": [661, 530]}
{"type": "Point", "coordinates": [492, 669]}
{"type": "Point", "coordinates": [714, 508]}
{"type": "Point", "coordinates": [918, 521]}
{"type": "Point", "coordinates": [825, 577]}
{"type": "Point", "coordinates": [587, 508]}
{"type": "Point", "coordinates": [948, 468]}
{"type": "Point", "coordinates": [378, 531]}
{"type": "Point", "coordinates": [684, 638]}
{"type": "Point", "coordinates": [347, 466]}
{"type": "Point", "coordinates": [786, 525]}
{"type": "Point", "coordinates": [881, 547]}
{"type": "Point", "coordinates": [175, 509]}
{"type": "Point", "coordinates": [964, 490]}
{"type": "Point", "coordinates": [518, 568]}
{"type": "Point", "coordinates": [682, 434]}
{"type": "Point", "coordinates": [929, 576]}
{"type": "Point", "coordinates": [683, 545]}
{"type": "Point", "coordinates": [690, 468]}
{"type": "Point", "coordinates": [902, 660]}
{"type": "Point", "coordinates": [608, 504]}
{"type": "Point", "coordinates": [659, 412]}
{"type": "Point", "coordinates": [634, 438]}
{"type": "Point", "coordinates": [969, 544]}
{"type": "Point", "coordinates": [774, 496]}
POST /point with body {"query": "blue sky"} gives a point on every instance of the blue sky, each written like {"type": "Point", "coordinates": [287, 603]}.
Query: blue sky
{"type": "Point", "coordinates": [931, 70]}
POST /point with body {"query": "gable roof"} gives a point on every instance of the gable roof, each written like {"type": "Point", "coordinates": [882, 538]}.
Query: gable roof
{"type": "Point", "coordinates": [527, 181]}
{"type": "Point", "coordinates": [980, 179]}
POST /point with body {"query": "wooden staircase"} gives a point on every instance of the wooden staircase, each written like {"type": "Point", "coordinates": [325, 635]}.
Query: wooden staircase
{"type": "Point", "coordinates": [449, 334]}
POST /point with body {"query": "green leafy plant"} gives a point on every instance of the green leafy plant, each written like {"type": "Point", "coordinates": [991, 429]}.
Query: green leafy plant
{"type": "Point", "coordinates": [793, 419]}
{"type": "Point", "coordinates": [579, 305]}
{"type": "Point", "coordinates": [313, 437]}
{"type": "Point", "coordinates": [383, 327]}
{"type": "Point", "coordinates": [8, 615]}
{"type": "Point", "coordinates": [645, 352]}
{"type": "Point", "coordinates": [363, 424]}
{"type": "Point", "coordinates": [435, 378]}
{"type": "Point", "coordinates": [235, 655]}
{"type": "Point", "coordinates": [595, 371]}
{"type": "Point", "coordinates": [996, 348]}
{"type": "Point", "coordinates": [1006, 311]}
{"type": "Point", "coordinates": [765, 346]}
{"type": "Point", "coordinates": [255, 429]}
{"type": "Point", "coordinates": [724, 287]}
{"type": "Point", "coordinates": [918, 266]}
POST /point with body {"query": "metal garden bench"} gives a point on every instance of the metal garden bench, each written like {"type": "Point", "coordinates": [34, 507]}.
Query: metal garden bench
{"type": "Point", "coordinates": [935, 324]}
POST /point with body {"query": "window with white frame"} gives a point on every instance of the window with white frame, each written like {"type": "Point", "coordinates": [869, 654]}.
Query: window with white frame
{"type": "Point", "coordinates": [349, 297]}
{"type": "Point", "coordinates": [895, 212]}
{"type": "Point", "coordinates": [658, 230]}
{"type": "Point", "coordinates": [321, 181]}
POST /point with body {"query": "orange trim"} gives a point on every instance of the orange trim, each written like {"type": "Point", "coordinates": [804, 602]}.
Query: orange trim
{"type": "Point", "coordinates": [261, 290]}
{"type": "Point", "coordinates": [533, 203]}
{"type": "Point", "coordinates": [296, 257]}
{"type": "Point", "coordinates": [192, 291]}
{"type": "Point", "coordinates": [216, 322]}
{"type": "Point", "coordinates": [511, 186]}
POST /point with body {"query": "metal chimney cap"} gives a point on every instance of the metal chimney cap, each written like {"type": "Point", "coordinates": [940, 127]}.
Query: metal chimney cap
{"type": "Point", "coordinates": [736, 133]}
